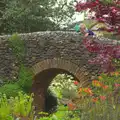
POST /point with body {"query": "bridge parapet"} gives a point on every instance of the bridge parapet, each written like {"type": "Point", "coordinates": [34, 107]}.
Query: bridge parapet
{"type": "Point", "coordinates": [66, 45]}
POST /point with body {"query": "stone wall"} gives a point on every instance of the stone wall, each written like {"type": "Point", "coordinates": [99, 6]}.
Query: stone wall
{"type": "Point", "coordinates": [41, 46]}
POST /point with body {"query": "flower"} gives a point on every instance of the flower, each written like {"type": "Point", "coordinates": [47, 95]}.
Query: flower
{"type": "Point", "coordinates": [97, 83]}
{"type": "Point", "coordinates": [76, 82]}
{"type": "Point", "coordinates": [112, 73]}
{"type": "Point", "coordinates": [81, 89]}
{"type": "Point", "coordinates": [87, 91]}
{"type": "Point", "coordinates": [105, 87]}
{"type": "Point", "coordinates": [116, 73]}
{"type": "Point", "coordinates": [71, 106]}
{"type": "Point", "coordinates": [117, 85]}
{"type": "Point", "coordinates": [102, 98]}
{"type": "Point", "coordinates": [95, 99]}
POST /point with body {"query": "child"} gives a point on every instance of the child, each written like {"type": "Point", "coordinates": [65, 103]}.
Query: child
{"type": "Point", "coordinates": [83, 29]}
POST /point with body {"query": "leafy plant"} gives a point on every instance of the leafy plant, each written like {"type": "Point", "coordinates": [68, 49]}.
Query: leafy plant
{"type": "Point", "coordinates": [16, 107]}
{"type": "Point", "coordinates": [62, 114]}
{"type": "Point", "coordinates": [24, 83]}
{"type": "Point", "coordinates": [4, 108]}
{"type": "Point", "coordinates": [18, 46]}
{"type": "Point", "coordinates": [10, 89]}
{"type": "Point", "coordinates": [25, 78]}
{"type": "Point", "coordinates": [25, 74]}
{"type": "Point", "coordinates": [98, 101]}
{"type": "Point", "coordinates": [22, 105]}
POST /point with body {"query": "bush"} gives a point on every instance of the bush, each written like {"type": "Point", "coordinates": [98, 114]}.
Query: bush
{"type": "Point", "coordinates": [24, 83]}
{"type": "Point", "coordinates": [10, 89]}
{"type": "Point", "coordinates": [18, 46]}
{"type": "Point", "coordinates": [25, 78]}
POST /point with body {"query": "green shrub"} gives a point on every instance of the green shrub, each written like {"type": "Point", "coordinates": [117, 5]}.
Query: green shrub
{"type": "Point", "coordinates": [18, 46]}
{"type": "Point", "coordinates": [62, 114]}
{"type": "Point", "coordinates": [25, 78]}
{"type": "Point", "coordinates": [24, 83]}
{"type": "Point", "coordinates": [10, 89]}
{"type": "Point", "coordinates": [101, 111]}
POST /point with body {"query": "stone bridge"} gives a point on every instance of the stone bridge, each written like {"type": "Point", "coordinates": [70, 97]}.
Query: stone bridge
{"type": "Point", "coordinates": [48, 54]}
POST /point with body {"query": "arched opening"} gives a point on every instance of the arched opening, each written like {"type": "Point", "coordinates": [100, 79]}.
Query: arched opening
{"type": "Point", "coordinates": [46, 70]}
{"type": "Point", "coordinates": [61, 91]}
{"type": "Point", "coordinates": [42, 99]}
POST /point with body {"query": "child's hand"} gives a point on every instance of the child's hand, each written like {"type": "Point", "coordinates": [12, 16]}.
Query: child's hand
{"type": "Point", "coordinates": [86, 35]}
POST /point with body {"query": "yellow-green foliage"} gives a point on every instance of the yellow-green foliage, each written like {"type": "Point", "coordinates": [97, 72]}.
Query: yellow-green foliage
{"type": "Point", "coordinates": [62, 114]}
{"type": "Point", "coordinates": [20, 106]}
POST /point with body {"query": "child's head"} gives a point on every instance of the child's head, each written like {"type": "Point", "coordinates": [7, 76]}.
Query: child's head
{"type": "Point", "coordinates": [82, 26]}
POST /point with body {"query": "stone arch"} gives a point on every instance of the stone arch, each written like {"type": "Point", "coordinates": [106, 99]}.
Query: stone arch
{"type": "Point", "coordinates": [46, 70]}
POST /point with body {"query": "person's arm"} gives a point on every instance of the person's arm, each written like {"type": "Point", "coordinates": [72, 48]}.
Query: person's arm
{"type": "Point", "coordinates": [86, 35]}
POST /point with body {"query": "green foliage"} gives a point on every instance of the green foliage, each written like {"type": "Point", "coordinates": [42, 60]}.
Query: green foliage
{"type": "Point", "coordinates": [34, 15]}
{"type": "Point", "coordinates": [100, 111]}
{"type": "Point", "coordinates": [4, 108]}
{"type": "Point", "coordinates": [10, 89]}
{"type": "Point", "coordinates": [25, 78]}
{"type": "Point", "coordinates": [17, 45]}
{"type": "Point", "coordinates": [107, 2]}
{"type": "Point", "coordinates": [25, 74]}
{"type": "Point", "coordinates": [105, 107]}
{"type": "Point", "coordinates": [62, 114]}
{"type": "Point", "coordinates": [102, 103]}
{"type": "Point", "coordinates": [24, 83]}
{"type": "Point", "coordinates": [20, 106]}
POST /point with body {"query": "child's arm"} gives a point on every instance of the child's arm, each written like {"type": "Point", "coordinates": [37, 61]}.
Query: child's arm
{"type": "Point", "coordinates": [86, 35]}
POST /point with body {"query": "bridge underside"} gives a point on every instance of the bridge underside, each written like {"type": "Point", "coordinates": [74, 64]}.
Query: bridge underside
{"type": "Point", "coordinates": [40, 85]}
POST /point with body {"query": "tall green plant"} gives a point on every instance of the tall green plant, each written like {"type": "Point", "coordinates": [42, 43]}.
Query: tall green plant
{"type": "Point", "coordinates": [25, 78]}
{"type": "Point", "coordinates": [16, 107]}
{"type": "Point", "coordinates": [18, 46]}
{"type": "Point", "coordinates": [4, 108]}
{"type": "Point", "coordinates": [22, 105]}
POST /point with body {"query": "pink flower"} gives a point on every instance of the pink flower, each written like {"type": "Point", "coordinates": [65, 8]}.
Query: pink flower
{"type": "Point", "coordinates": [117, 85]}
{"type": "Point", "coordinates": [102, 98]}
{"type": "Point", "coordinates": [76, 82]}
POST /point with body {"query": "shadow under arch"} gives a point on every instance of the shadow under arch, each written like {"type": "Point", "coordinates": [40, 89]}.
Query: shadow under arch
{"type": "Point", "coordinates": [46, 70]}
